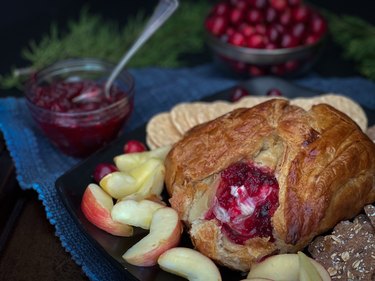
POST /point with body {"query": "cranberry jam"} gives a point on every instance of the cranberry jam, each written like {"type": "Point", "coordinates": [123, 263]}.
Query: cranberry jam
{"type": "Point", "coordinates": [79, 128]}
{"type": "Point", "coordinates": [245, 201]}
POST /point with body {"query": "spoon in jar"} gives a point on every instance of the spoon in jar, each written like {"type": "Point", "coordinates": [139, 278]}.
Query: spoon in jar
{"type": "Point", "coordinates": [162, 12]}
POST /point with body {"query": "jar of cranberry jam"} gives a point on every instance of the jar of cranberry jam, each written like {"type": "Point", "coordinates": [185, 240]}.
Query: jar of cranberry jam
{"type": "Point", "coordinates": [79, 126]}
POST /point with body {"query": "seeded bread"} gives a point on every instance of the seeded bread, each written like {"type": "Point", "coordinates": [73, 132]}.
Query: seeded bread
{"type": "Point", "coordinates": [349, 252]}
{"type": "Point", "coordinates": [323, 162]}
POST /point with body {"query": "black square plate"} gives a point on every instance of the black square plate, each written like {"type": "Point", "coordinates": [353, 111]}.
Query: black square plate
{"type": "Point", "coordinates": [72, 184]}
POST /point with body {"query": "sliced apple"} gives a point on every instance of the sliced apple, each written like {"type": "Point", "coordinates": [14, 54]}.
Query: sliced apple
{"type": "Point", "coordinates": [119, 184]}
{"type": "Point", "coordinates": [150, 179]}
{"type": "Point", "coordinates": [190, 264]}
{"type": "Point", "coordinates": [274, 268]}
{"type": "Point", "coordinates": [96, 205]}
{"type": "Point", "coordinates": [127, 162]}
{"type": "Point", "coordinates": [165, 233]}
{"type": "Point", "coordinates": [135, 213]}
{"type": "Point", "coordinates": [307, 271]}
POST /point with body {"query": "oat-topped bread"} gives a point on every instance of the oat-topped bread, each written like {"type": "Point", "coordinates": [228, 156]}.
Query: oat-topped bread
{"type": "Point", "coordinates": [267, 179]}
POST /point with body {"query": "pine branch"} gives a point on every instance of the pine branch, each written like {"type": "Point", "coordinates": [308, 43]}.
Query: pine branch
{"type": "Point", "coordinates": [357, 39]}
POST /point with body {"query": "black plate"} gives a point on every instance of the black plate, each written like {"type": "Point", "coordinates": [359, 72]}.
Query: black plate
{"type": "Point", "coordinates": [72, 184]}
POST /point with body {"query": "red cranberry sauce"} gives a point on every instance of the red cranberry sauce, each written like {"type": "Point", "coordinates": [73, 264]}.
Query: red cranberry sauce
{"type": "Point", "coordinates": [246, 199]}
{"type": "Point", "coordinates": [79, 135]}
{"type": "Point", "coordinates": [58, 96]}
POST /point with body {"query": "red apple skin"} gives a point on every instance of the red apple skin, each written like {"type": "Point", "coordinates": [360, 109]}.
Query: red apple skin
{"type": "Point", "coordinates": [150, 257]}
{"type": "Point", "coordinates": [100, 215]}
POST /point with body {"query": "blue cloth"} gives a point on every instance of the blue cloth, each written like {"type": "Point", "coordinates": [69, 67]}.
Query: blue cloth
{"type": "Point", "coordinates": [39, 164]}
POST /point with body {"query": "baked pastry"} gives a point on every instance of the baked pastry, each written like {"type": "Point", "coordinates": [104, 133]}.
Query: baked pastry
{"type": "Point", "coordinates": [267, 179]}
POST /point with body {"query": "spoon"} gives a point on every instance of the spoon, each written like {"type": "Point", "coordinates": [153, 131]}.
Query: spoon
{"type": "Point", "coordinates": [162, 12]}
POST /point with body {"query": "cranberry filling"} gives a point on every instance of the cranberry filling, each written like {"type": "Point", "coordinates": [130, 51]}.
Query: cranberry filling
{"type": "Point", "coordinates": [245, 201]}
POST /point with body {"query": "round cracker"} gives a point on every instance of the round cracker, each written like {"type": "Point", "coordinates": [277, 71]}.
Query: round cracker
{"type": "Point", "coordinates": [342, 103]}
{"type": "Point", "coordinates": [184, 116]}
{"type": "Point", "coordinates": [161, 131]}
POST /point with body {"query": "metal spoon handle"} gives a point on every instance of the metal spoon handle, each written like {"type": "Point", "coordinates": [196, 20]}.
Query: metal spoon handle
{"type": "Point", "coordinates": [163, 11]}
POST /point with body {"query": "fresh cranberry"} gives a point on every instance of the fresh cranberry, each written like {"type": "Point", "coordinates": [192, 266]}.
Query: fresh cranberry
{"type": "Point", "coordinates": [288, 41]}
{"type": "Point", "coordinates": [273, 34]}
{"type": "Point", "coordinates": [271, 46]}
{"type": "Point", "coordinates": [247, 198]}
{"type": "Point", "coordinates": [246, 29]}
{"type": "Point", "coordinates": [291, 65]}
{"type": "Point", "coordinates": [256, 41]}
{"type": "Point", "coordinates": [216, 25]}
{"type": "Point", "coordinates": [238, 66]}
{"type": "Point", "coordinates": [318, 25]}
{"type": "Point", "coordinates": [260, 28]}
{"type": "Point", "coordinates": [260, 4]}
{"type": "Point", "coordinates": [294, 2]}
{"type": "Point", "coordinates": [278, 69]}
{"type": "Point", "coordinates": [279, 5]}
{"type": "Point", "coordinates": [301, 14]}
{"type": "Point", "coordinates": [311, 39]}
{"type": "Point", "coordinates": [237, 39]}
{"type": "Point", "coordinates": [236, 16]}
{"type": "Point", "coordinates": [286, 18]}
{"type": "Point", "coordinates": [241, 4]}
{"type": "Point", "coordinates": [255, 70]}
{"type": "Point", "coordinates": [270, 15]}
{"type": "Point", "coordinates": [133, 146]}
{"type": "Point", "coordinates": [274, 93]}
{"type": "Point", "coordinates": [299, 30]}
{"type": "Point", "coordinates": [238, 93]}
{"type": "Point", "coordinates": [254, 16]}
{"type": "Point", "coordinates": [229, 31]}
{"type": "Point", "coordinates": [103, 169]}
{"type": "Point", "coordinates": [221, 9]}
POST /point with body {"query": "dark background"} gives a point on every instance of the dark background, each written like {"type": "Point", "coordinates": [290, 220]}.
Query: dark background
{"type": "Point", "coordinates": [24, 20]}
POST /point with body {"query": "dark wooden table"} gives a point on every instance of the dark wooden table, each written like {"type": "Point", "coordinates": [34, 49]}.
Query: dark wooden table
{"type": "Point", "coordinates": [29, 249]}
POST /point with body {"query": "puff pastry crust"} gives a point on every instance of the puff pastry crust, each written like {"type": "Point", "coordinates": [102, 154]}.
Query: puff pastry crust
{"type": "Point", "coordinates": [323, 162]}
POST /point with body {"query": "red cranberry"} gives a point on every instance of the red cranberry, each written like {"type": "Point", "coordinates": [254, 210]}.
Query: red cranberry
{"type": "Point", "coordinates": [239, 66]}
{"type": "Point", "coordinates": [301, 14]}
{"type": "Point", "coordinates": [291, 65]}
{"type": "Point", "coordinates": [318, 25]}
{"type": "Point", "coordinates": [279, 5]}
{"type": "Point", "coordinates": [260, 28]}
{"type": "Point", "coordinates": [256, 41]}
{"type": "Point", "coordinates": [273, 34]}
{"type": "Point", "coordinates": [221, 9]}
{"type": "Point", "coordinates": [299, 30]}
{"type": "Point", "coordinates": [288, 41]}
{"type": "Point", "coordinates": [238, 93]}
{"type": "Point", "coordinates": [229, 31]}
{"type": "Point", "coordinates": [237, 39]}
{"type": "Point", "coordinates": [241, 4]}
{"type": "Point", "coordinates": [271, 46]}
{"type": "Point", "coordinates": [311, 39]}
{"type": "Point", "coordinates": [255, 70]}
{"type": "Point", "coordinates": [133, 146]}
{"type": "Point", "coordinates": [103, 169]}
{"type": "Point", "coordinates": [278, 69]}
{"type": "Point", "coordinates": [254, 16]}
{"type": "Point", "coordinates": [235, 16]}
{"type": "Point", "coordinates": [261, 4]}
{"type": "Point", "coordinates": [286, 18]}
{"type": "Point", "coordinates": [274, 93]}
{"type": "Point", "coordinates": [216, 25]}
{"type": "Point", "coordinates": [246, 29]}
{"type": "Point", "coordinates": [294, 2]}
{"type": "Point", "coordinates": [270, 15]}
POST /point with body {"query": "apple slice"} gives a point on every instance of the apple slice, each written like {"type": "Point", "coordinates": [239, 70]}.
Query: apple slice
{"type": "Point", "coordinates": [119, 184]}
{"type": "Point", "coordinates": [127, 162]}
{"type": "Point", "coordinates": [165, 233]}
{"type": "Point", "coordinates": [307, 271]}
{"type": "Point", "coordinates": [135, 213]}
{"type": "Point", "coordinates": [190, 264]}
{"type": "Point", "coordinates": [96, 205]}
{"type": "Point", "coordinates": [150, 179]}
{"type": "Point", "coordinates": [274, 268]}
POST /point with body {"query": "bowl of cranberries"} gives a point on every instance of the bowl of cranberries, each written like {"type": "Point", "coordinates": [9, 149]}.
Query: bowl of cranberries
{"type": "Point", "coordinates": [79, 126]}
{"type": "Point", "coordinates": [265, 37]}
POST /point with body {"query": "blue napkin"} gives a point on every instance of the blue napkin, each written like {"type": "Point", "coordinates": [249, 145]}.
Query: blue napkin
{"type": "Point", "coordinates": [39, 164]}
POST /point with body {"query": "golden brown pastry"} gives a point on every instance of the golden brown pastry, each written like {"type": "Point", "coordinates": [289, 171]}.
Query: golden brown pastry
{"type": "Point", "coordinates": [266, 180]}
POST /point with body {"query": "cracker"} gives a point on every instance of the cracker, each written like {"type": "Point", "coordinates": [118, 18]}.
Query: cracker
{"type": "Point", "coordinates": [184, 115]}
{"type": "Point", "coordinates": [341, 103]}
{"type": "Point", "coordinates": [161, 131]}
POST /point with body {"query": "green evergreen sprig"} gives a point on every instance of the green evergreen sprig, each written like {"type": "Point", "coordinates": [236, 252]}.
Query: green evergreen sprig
{"type": "Point", "coordinates": [357, 39]}
{"type": "Point", "coordinates": [92, 36]}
